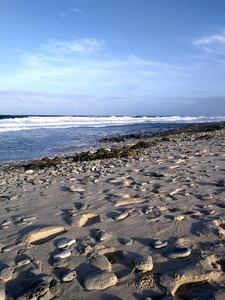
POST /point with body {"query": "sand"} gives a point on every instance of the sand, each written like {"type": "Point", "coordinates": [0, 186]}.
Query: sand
{"type": "Point", "coordinates": [114, 209]}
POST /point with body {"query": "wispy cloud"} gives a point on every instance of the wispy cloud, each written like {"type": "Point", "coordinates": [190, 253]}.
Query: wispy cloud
{"type": "Point", "coordinates": [86, 67]}
{"type": "Point", "coordinates": [81, 46]}
{"type": "Point", "coordinates": [78, 11]}
{"type": "Point", "coordinates": [212, 44]}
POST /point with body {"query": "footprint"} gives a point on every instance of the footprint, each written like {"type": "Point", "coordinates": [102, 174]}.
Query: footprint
{"type": "Point", "coordinates": [196, 290]}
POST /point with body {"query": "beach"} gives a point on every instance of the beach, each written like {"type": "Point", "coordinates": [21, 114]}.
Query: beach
{"type": "Point", "coordinates": [141, 218]}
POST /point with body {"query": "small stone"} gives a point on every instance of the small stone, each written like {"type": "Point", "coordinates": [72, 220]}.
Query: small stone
{"type": "Point", "coordinates": [206, 197]}
{"type": "Point", "coordinates": [5, 223]}
{"type": "Point", "coordinates": [6, 274]}
{"type": "Point", "coordinates": [178, 218]}
{"type": "Point", "coordinates": [62, 254]}
{"type": "Point", "coordinates": [221, 183]}
{"type": "Point", "coordinates": [210, 212]}
{"type": "Point", "coordinates": [121, 216]}
{"type": "Point", "coordinates": [126, 241]}
{"type": "Point", "coordinates": [101, 262]}
{"type": "Point", "coordinates": [65, 242]}
{"type": "Point", "coordinates": [23, 262]}
{"type": "Point", "coordinates": [99, 280]}
{"type": "Point", "coordinates": [178, 253]}
{"type": "Point", "coordinates": [8, 248]}
{"type": "Point", "coordinates": [13, 198]}
{"type": "Point", "coordinates": [71, 211]}
{"type": "Point", "coordinates": [147, 210]}
{"type": "Point", "coordinates": [207, 206]}
{"type": "Point", "coordinates": [60, 263]}
{"type": "Point", "coordinates": [76, 189]}
{"type": "Point", "coordinates": [28, 219]}
{"type": "Point", "coordinates": [159, 244]}
{"type": "Point", "coordinates": [101, 235]}
{"type": "Point", "coordinates": [69, 276]}
{"type": "Point", "coordinates": [143, 263]}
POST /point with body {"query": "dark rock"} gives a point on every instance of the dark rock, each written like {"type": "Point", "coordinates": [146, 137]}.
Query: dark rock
{"type": "Point", "coordinates": [107, 153]}
{"type": "Point", "coordinates": [43, 163]}
{"type": "Point", "coordinates": [141, 144]}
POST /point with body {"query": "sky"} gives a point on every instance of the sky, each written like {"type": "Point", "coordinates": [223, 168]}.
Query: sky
{"type": "Point", "coordinates": [112, 57]}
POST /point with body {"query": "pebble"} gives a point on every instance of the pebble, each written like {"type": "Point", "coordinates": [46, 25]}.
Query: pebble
{"type": "Point", "coordinates": [178, 253]}
{"type": "Point", "coordinates": [206, 206]}
{"type": "Point", "coordinates": [13, 198]}
{"type": "Point", "coordinates": [62, 254]}
{"type": "Point", "coordinates": [143, 263]}
{"type": "Point", "coordinates": [210, 212]}
{"type": "Point", "coordinates": [178, 218]}
{"type": "Point", "coordinates": [159, 244]}
{"type": "Point", "coordinates": [99, 280]}
{"type": "Point", "coordinates": [126, 241]}
{"type": "Point", "coordinates": [101, 262]}
{"type": "Point", "coordinates": [27, 219]}
{"type": "Point", "coordinates": [221, 183]}
{"type": "Point", "coordinates": [65, 242]}
{"type": "Point", "coordinates": [76, 189]}
{"type": "Point", "coordinates": [60, 263]}
{"type": "Point", "coordinates": [101, 235]}
{"type": "Point", "coordinates": [206, 197]}
{"type": "Point", "coordinates": [6, 274]}
{"type": "Point", "coordinates": [5, 223]}
{"type": "Point", "coordinates": [8, 248]}
{"type": "Point", "coordinates": [147, 210]}
{"type": "Point", "coordinates": [122, 216]}
{"type": "Point", "coordinates": [23, 262]}
{"type": "Point", "coordinates": [69, 276]}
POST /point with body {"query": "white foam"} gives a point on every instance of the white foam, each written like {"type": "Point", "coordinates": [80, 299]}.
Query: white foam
{"type": "Point", "coordinates": [35, 122]}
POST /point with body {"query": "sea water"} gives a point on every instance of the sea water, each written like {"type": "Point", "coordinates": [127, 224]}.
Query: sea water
{"type": "Point", "coordinates": [28, 137]}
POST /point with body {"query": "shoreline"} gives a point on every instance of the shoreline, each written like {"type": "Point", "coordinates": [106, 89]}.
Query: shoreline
{"type": "Point", "coordinates": [168, 187]}
{"type": "Point", "coordinates": [120, 141]}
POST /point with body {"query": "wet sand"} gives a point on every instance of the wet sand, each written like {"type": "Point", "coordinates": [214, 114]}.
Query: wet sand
{"type": "Point", "coordinates": [112, 211]}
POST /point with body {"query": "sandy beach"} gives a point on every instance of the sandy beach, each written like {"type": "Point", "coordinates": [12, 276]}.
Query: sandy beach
{"type": "Point", "coordinates": [148, 224]}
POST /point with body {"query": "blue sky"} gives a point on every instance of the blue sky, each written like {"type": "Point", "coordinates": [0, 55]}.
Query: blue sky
{"type": "Point", "coordinates": [139, 57]}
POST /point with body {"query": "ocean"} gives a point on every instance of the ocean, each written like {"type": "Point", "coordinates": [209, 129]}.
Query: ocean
{"type": "Point", "coordinates": [28, 137]}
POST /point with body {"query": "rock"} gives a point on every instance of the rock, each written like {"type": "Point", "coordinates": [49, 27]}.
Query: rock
{"type": "Point", "coordinates": [126, 241]}
{"type": "Point", "coordinates": [69, 276]}
{"type": "Point", "coordinates": [99, 280]}
{"type": "Point", "coordinates": [5, 223]}
{"type": "Point", "coordinates": [101, 235]}
{"type": "Point", "coordinates": [65, 242]}
{"type": "Point", "coordinates": [76, 189]}
{"type": "Point", "coordinates": [6, 274]}
{"type": "Point", "coordinates": [221, 183]}
{"type": "Point", "coordinates": [43, 235]}
{"type": "Point", "coordinates": [23, 261]}
{"type": "Point", "coordinates": [101, 262]}
{"type": "Point", "coordinates": [60, 263]}
{"type": "Point", "coordinates": [178, 218]}
{"type": "Point", "coordinates": [43, 163]}
{"type": "Point", "coordinates": [107, 153]}
{"type": "Point", "coordinates": [159, 244]}
{"type": "Point", "coordinates": [178, 253]}
{"type": "Point", "coordinates": [121, 216]}
{"type": "Point", "coordinates": [42, 287]}
{"type": "Point", "coordinates": [2, 294]}
{"type": "Point", "coordinates": [84, 220]}
{"type": "Point", "coordinates": [62, 254]}
{"type": "Point", "coordinates": [206, 197]}
{"type": "Point", "coordinates": [8, 248]}
{"type": "Point", "coordinates": [143, 263]}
